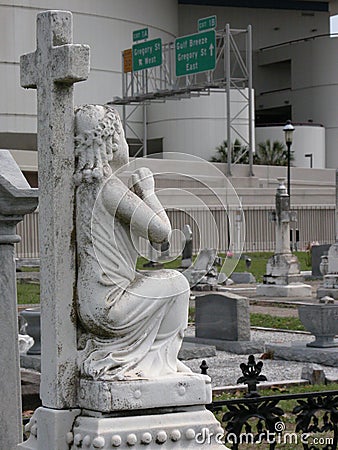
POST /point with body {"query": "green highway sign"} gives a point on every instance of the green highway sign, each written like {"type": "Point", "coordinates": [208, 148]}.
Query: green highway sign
{"type": "Point", "coordinates": [147, 54]}
{"type": "Point", "coordinates": [207, 23]}
{"type": "Point", "coordinates": [139, 35]}
{"type": "Point", "coordinates": [195, 53]}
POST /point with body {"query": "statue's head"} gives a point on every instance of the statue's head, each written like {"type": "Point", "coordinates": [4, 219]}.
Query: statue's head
{"type": "Point", "coordinates": [100, 142]}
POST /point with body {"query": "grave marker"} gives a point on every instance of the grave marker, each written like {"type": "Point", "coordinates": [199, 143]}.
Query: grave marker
{"type": "Point", "coordinates": [52, 69]}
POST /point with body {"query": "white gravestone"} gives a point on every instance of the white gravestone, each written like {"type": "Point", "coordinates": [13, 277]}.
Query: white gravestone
{"type": "Point", "coordinates": [17, 198]}
{"type": "Point", "coordinates": [53, 69]}
{"type": "Point", "coordinates": [283, 277]}
{"type": "Point", "coordinates": [110, 341]}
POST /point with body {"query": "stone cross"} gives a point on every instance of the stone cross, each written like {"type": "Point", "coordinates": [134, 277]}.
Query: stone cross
{"type": "Point", "coordinates": [53, 69]}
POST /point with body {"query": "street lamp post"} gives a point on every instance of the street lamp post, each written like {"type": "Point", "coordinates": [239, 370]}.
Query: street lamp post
{"type": "Point", "coordinates": [309, 155]}
{"type": "Point", "coordinates": [288, 133]}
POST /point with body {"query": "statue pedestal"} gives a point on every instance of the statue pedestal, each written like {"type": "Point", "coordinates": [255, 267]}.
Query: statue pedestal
{"type": "Point", "coordinates": [168, 411]}
{"type": "Point", "coordinates": [145, 413]}
{"type": "Point", "coordinates": [165, 392]}
{"type": "Point", "coordinates": [189, 428]}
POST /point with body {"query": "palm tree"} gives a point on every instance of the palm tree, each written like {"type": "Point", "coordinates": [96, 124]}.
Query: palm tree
{"type": "Point", "coordinates": [275, 154]}
{"type": "Point", "coordinates": [238, 154]}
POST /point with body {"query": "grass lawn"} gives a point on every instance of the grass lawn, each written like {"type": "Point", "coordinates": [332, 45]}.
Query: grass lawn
{"type": "Point", "coordinates": [28, 293]}
{"type": "Point", "coordinates": [259, 260]}
{"type": "Point", "coordinates": [258, 263]}
{"type": "Point", "coordinates": [284, 323]}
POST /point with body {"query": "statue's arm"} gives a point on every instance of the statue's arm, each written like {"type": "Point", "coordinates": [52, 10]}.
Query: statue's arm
{"type": "Point", "coordinates": [144, 213]}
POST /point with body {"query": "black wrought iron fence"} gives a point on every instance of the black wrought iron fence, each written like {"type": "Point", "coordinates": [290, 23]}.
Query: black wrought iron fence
{"type": "Point", "coordinates": [306, 421]}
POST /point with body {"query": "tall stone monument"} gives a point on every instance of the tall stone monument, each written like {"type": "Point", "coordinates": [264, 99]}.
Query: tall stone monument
{"type": "Point", "coordinates": [17, 198]}
{"type": "Point", "coordinates": [283, 277]}
{"type": "Point", "coordinates": [110, 336]}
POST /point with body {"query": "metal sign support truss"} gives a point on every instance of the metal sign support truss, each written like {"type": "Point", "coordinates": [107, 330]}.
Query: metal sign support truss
{"type": "Point", "coordinates": [233, 71]}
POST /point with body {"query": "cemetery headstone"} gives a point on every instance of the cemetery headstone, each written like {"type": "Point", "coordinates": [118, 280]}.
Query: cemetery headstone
{"type": "Point", "coordinates": [223, 320]}
{"type": "Point", "coordinates": [283, 277]}
{"type": "Point", "coordinates": [52, 69]}
{"type": "Point", "coordinates": [202, 271]}
{"type": "Point", "coordinates": [17, 198]}
{"type": "Point", "coordinates": [243, 278]}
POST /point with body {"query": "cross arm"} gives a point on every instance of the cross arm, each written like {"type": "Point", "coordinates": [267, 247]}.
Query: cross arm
{"type": "Point", "coordinates": [28, 77]}
{"type": "Point", "coordinates": [70, 63]}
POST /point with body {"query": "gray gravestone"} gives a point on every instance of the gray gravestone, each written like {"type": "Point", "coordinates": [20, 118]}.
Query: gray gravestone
{"type": "Point", "coordinates": [222, 316]}
{"type": "Point", "coordinates": [223, 320]}
{"type": "Point", "coordinates": [17, 198]}
{"type": "Point", "coordinates": [243, 278]}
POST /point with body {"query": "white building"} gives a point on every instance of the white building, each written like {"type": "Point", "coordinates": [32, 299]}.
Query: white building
{"type": "Point", "coordinates": [294, 77]}
{"type": "Point", "coordinates": [295, 71]}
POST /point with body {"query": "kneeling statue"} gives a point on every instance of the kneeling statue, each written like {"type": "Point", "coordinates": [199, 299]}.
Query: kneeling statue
{"type": "Point", "coordinates": [132, 324]}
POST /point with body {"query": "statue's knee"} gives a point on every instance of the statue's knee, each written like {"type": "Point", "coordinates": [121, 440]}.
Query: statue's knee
{"type": "Point", "coordinates": [179, 284]}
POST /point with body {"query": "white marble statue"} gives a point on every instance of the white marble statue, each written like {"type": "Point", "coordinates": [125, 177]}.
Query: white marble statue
{"type": "Point", "coordinates": [133, 324]}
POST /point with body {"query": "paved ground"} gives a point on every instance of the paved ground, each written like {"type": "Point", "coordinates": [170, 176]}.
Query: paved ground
{"type": "Point", "coordinates": [224, 368]}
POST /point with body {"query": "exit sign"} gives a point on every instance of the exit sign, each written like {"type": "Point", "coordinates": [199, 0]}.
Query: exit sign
{"type": "Point", "coordinates": [207, 23]}
{"type": "Point", "coordinates": [139, 35]}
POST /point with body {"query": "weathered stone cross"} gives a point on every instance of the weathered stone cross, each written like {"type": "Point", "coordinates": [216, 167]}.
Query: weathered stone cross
{"type": "Point", "coordinates": [53, 69]}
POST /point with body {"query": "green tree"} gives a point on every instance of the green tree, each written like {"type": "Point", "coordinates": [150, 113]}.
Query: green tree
{"type": "Point", "coordinates": [238, 153]}
{"type": "Point", "coordinates": [272, 154]}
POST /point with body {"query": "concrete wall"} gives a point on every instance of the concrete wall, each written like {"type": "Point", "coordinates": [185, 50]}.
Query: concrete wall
{"type": "Point", "coordinates": [306, 139]}
{"type": "Point", "coordinates": [269, 26]}
{"type": "Point", "coordinates": [197, 125]}
{"type": "Point", "coordinates": [105, 25]}
{"type": "Point", "coordinates": [313, 90]}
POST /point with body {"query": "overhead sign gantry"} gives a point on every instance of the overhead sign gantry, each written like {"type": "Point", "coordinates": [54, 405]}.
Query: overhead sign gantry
{"type": "Point", "coordinates": [194, 65]}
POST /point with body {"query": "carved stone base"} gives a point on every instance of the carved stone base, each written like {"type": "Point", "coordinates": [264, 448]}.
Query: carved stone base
{"type": "Point", "coordinates": [290, 290]}
{"type": "Point", "coordinates": [50, 429]}
{"type": "Point", "coordinates": [327, 292]}
{"type": "Point", "coordinates": [173, 390]}
{"type": "Point", "coordinates": [283, 265]}
{"type": "Point", "coordinates": [192, 428]}
{"type": "Point", "coordinates": [329, 286]}
{"type": "Point", "coordinates": [283, 280]}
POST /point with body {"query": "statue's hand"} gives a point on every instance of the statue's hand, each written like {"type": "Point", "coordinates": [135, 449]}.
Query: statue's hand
{"type": "Point", "coordinates": [142, 182]}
